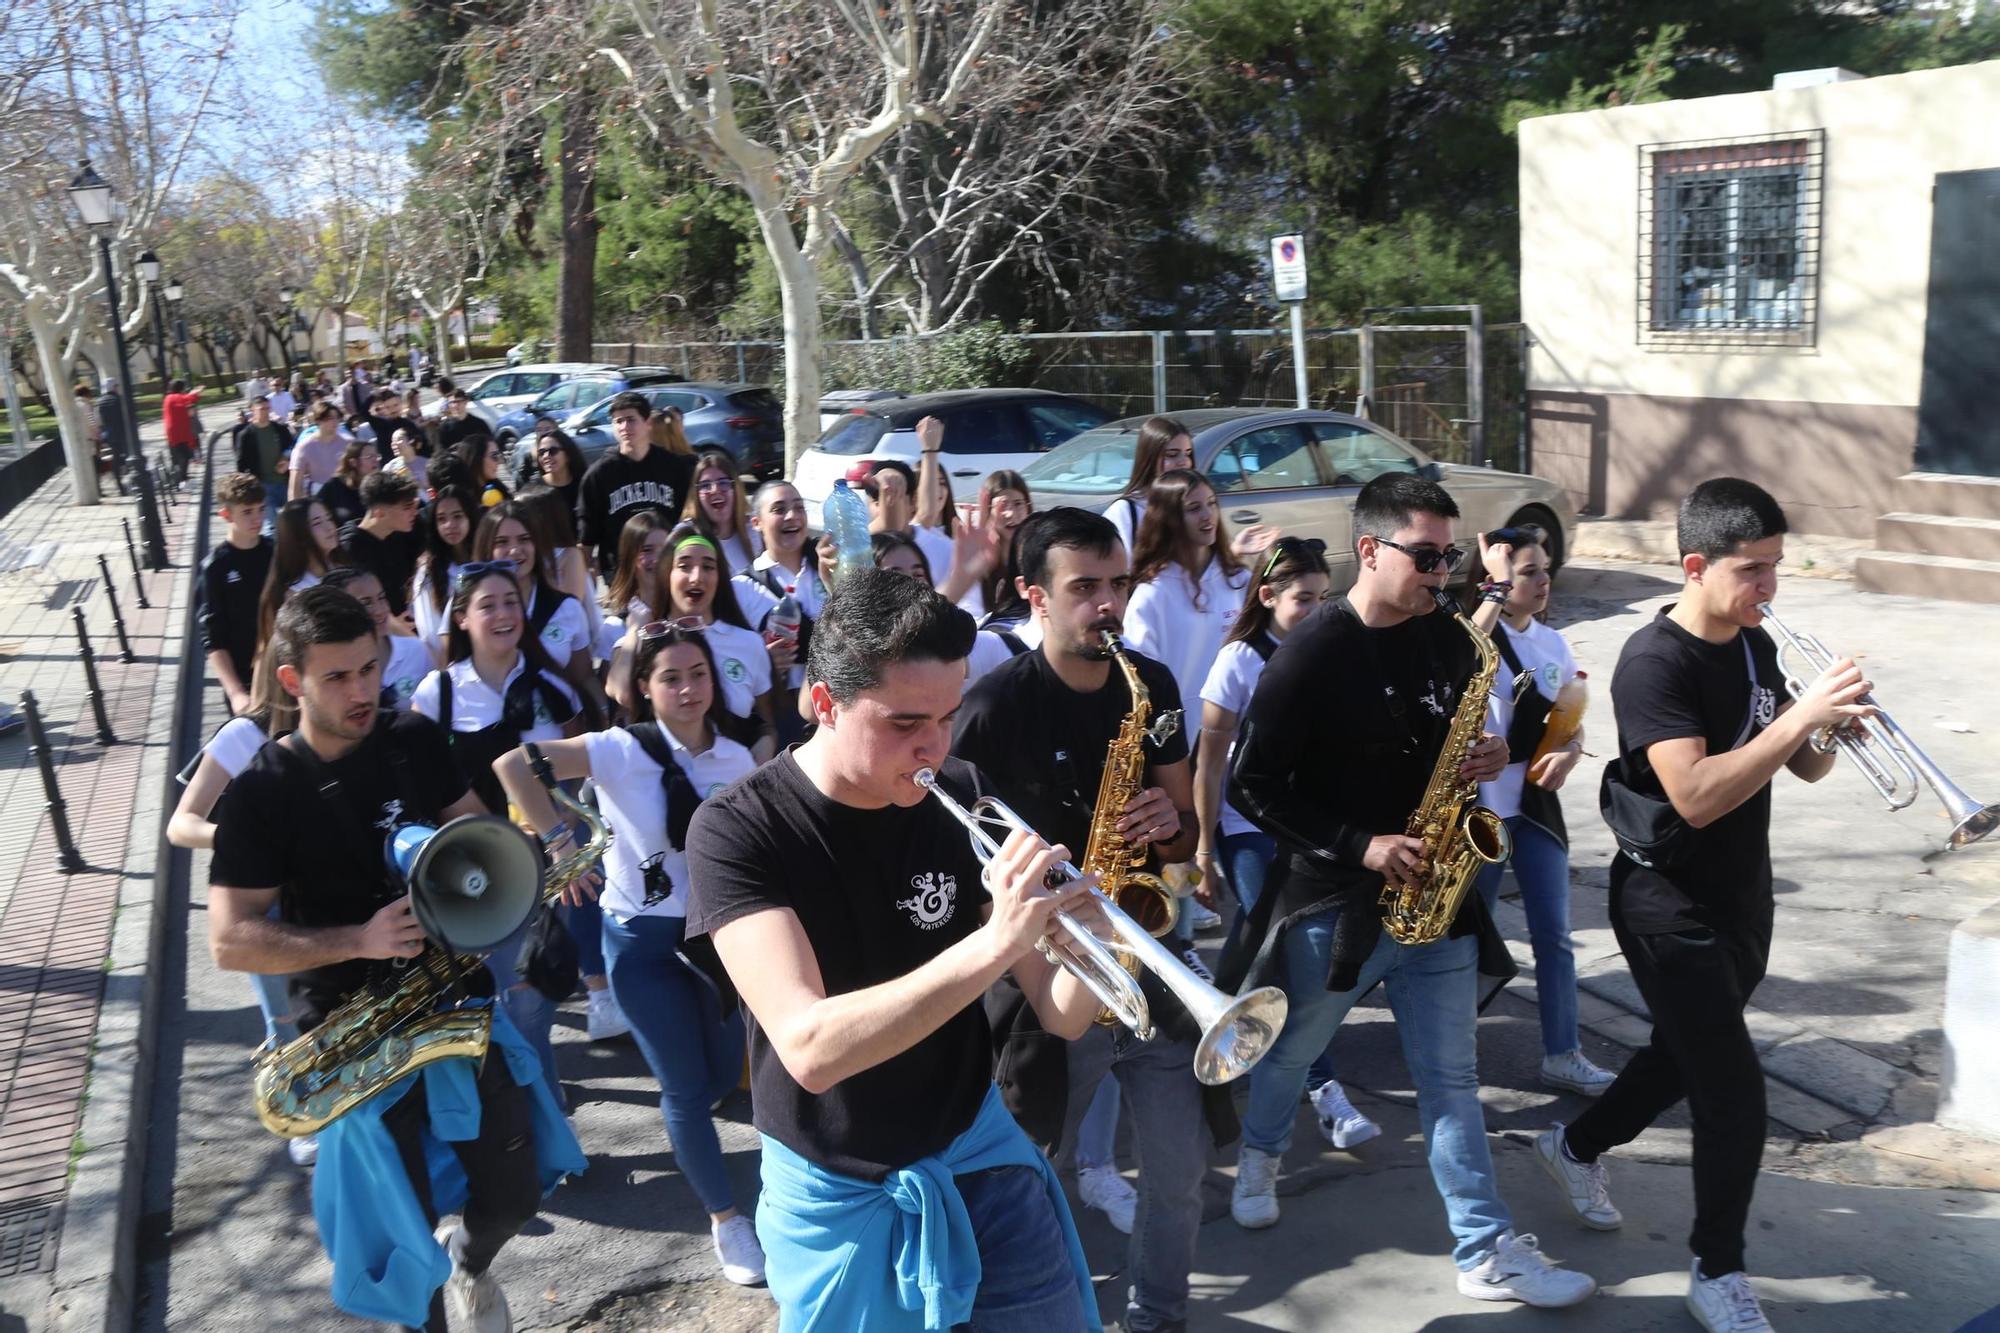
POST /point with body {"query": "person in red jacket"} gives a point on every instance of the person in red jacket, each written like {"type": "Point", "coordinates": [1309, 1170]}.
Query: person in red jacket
{"type": "Point", "coordinates": [177, 409]}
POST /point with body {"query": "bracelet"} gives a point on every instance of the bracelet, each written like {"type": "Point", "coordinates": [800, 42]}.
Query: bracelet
{"type": "Point", "coordinates": [1503, 585]}
{"type": "Point", "coordinates": [1497, 596]}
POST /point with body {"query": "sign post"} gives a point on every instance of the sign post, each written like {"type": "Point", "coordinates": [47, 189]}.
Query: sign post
{"type": "Point", "coordinates": [1288, 277]}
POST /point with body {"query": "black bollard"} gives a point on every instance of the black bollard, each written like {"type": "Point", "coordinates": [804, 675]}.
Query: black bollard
{"type": "Point", "coordinates": [105, 735]}
{"type": "Point", "coordinates": [67, 856]}
{"type": "Point", "coordinates": [117, 616]}
{"type": "Point", "coordinates": [138, 579]}
{"type": "Point", "coordinates": [160, 487]}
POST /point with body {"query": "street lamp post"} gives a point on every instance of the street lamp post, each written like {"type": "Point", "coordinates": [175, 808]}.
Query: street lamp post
{"type": "Point", "coordinates": [173, 293]}
{"type": "Point", "coordinates": [286, 296]}
{"type": "Point", "coordinates": [93, 202]}
{"type": "Point", "coordinates": [149, 269]}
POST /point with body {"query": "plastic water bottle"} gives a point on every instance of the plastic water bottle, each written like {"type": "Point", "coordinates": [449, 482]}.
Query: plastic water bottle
{"type": "Point", "coordinates": [784, 620]}
{"type": "Point", "coordinates": [847, 523]}
{"type": "Point", "coordinates": [1565, 716]}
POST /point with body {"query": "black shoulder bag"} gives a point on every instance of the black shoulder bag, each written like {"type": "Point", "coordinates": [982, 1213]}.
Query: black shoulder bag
{"type": "Point", "coordinates": [677, 789]}
{"type": "Point", "coordinates": [548, 959]}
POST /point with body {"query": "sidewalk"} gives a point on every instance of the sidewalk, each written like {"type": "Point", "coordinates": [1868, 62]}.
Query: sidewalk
{"type": "Point", "coordinates": [74, 948]}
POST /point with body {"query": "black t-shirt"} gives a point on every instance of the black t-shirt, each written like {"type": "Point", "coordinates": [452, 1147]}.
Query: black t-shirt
{"type": "Point", "coordinates": [392, 558]}
{"type": "Point", "coordinates": [878, 893]}
{"type": "Point", "coordinates": [342, 501]}
{"type": "Point", "coordinates": [274, 828]}
{"type": "Point", "coordinates": [1341, 736]}
{"type": "Point", "coordinates": [385, 429]}
{"type": "Point", "coordinates": [453, 429]}
{"type": "Point", "coordinates": [1670, 684]}
{"type": "Point", "coordinates": [1042, 744]}
{"type": "Point", "coordinates": [616, 487]}
{"type": "Point", "coordinates": [232, 581]}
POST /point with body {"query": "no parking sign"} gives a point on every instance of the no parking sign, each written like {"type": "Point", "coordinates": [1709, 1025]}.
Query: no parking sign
{"type": "Point", "coordinates": [1288, 267]}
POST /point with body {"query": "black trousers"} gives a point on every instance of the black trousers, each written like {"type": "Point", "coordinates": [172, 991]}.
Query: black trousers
{"type": "Point", "coordinates": [1697, 984]}
{"type": "Point", "coordinates": [504, 1189]}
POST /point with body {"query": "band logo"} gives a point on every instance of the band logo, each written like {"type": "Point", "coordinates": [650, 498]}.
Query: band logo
{"type": "Point", "coordinates": [931, 907]}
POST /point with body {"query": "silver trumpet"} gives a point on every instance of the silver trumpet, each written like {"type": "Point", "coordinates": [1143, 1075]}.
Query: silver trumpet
{"type": "Point", "coordinates": [1882, 750]}
{"type": "Point", "coordinates": [1235, 1032]}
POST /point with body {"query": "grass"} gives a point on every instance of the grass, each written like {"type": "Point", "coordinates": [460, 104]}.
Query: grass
{"type": "Point", "coordinates": [42, 422]}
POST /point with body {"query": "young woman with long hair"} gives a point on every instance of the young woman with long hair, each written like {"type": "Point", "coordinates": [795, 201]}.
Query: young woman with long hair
{"type": "Point", "coordinates": [1165, 446]}
{"type": "Point", "coordinates": [508, 533]}
{"type": "Point", "coordinates": [446, 528]}
{"type": "Point", "coordinates": [411, 446]}
{"type": "Point", "coordinates": [553, 523]}
{"type": "Point", "coordinates": [480, 454]}
{"type": "Point", "coordinates": [691, 587]}
{"type": "Point", "coordinates": [979, 579]}
{"type": "Point", "coordinates": [306, 544]}
{"type": "Point", "coordinates": [342, 494]}
{"type": "Point", "coordinates": [669, 434]}
{"type": "Point", "coordinates": [901, 553]}
{"type": "Point", "coordinates": [649, 778]}
{"type": "Point", "coordinates": [1536, 662]}
{"type": "Point", "coordinates": [557, 460]}
{"type": "Point", "coordinates": [721, 511]}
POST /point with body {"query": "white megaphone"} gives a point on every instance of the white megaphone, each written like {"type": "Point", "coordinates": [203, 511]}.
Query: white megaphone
{"type": "Point", "coordinates": [472, 883]}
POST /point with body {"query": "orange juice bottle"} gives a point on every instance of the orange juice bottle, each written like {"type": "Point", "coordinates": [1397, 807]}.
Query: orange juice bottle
{"type": "Point", "coordinates": [1565, 717]}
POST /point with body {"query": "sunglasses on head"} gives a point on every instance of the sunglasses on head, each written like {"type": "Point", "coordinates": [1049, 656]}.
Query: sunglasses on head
{"type": "Point", "coordinates": [1426, 558]}
{"type": "Point", "coordinates": [656, 629]}
{"type": "Point", "coordinates": [1286, 547]}
{"type": "Point", "coordinates": [473, 569]}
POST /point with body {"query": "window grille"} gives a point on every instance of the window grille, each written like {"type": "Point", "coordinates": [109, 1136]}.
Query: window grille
{"type": "Point", "coordinates": [1729, 240]}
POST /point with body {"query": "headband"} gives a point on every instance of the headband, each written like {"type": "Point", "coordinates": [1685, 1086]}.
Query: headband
{"type": "Point", "coordinates": [697, 537]}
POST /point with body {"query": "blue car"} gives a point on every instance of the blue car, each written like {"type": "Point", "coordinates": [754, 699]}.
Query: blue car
{"type": "Point", "coordinates": [574, 394]}
{"type": "Point", "coordinates": [745, 419]}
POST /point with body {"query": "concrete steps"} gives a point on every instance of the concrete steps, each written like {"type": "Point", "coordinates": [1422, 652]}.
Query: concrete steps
{"type": "Point", "coordinates": [1943, 542]}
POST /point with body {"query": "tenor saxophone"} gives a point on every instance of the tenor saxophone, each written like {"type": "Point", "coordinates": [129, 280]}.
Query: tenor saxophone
{"type": "Point", "coordinates": [1117, 863]}
{"type": "Point", "coordinates": [1460, 836]}
{"type": "Point", "coordinates": [371, 1041]}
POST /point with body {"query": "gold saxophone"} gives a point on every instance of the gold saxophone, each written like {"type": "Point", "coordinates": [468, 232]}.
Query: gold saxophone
{"type": "Point", "coordinates": [1142, 896]}
{"type": "Point", "coordinates": [373, 1040]}
{"type": "Point", "coordinates": [1459, 836]}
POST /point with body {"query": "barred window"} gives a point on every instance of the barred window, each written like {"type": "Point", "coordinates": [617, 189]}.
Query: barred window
{"type": "Point", "coordinates": [1729, 237]}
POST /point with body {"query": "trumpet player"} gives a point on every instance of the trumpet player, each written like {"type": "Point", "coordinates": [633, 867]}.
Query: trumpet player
{"type": "Point", "coordinates": [855, 919]}
{"type": "Point", "coordinates": [1341, 745]}
{"type": "Point", "coordinates": [1701, 733]}
{"type": "Point", "coordinates": [302, 827]}
{"type": "Point", "coordinates": [1040, 726]}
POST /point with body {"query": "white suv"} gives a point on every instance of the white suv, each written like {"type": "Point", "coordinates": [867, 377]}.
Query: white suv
{"type": "Point", "coordinates": [985, 430]}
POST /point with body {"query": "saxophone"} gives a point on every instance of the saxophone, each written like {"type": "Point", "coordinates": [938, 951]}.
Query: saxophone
{"type": "Point", "coordinates": [1459, 837]}
{"type": "Point", "coordinates": [373, 1040]}
{"type": "Point", "coordinates": [1117, 863]}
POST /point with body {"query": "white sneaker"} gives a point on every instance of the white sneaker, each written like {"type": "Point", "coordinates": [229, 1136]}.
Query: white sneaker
{"type": "Point", "coordinates": [303, 1152]}
{"type": "Point", "coordinates": [1343, 1126]}
{"type": "Point", "coordinates": [604, 1020]}
{"type": "Point", "coordinates": [1201, 918]}
{"type": "Point", "coordinates": [472, 1304]}
{"type": "Point", "coordinates": [1254, 1201]}
{"type": "Point", "coordinates": [1725, 1304]}
{"type": "Point", "coordinates": [1102, 1188]}
{"type": "Point", "coordinates": [1585, 1186]}
{"type": "Point", "coordinates": [1573, 1071]}
{"type": "Point", "coordinates": [1517, 1270]}
{"type": "Point", "coordinates": [737, 1250]}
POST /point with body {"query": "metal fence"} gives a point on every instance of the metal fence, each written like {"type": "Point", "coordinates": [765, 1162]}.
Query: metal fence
{"type": "Point", "coordinates": [1419, 380]}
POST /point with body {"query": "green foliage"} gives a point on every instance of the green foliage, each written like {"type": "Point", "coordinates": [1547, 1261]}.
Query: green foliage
{"type": "Point", "coordinates": [976, 356]}
{"type": "Point", "coordinates": [1415, 260]}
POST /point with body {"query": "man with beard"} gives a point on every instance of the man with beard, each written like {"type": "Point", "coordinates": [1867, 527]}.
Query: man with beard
{"type": "Point", "coordinates": [303, 828]}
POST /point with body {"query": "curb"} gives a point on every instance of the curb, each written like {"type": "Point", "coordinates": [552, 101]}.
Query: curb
{"type": "Point", "coordinates": [94, 1285]}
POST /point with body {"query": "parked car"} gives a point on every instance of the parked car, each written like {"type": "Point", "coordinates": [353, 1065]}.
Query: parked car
{"type": "Point", "coordinates": [839, 402]}
{"type": "Point", "coordinates": [1300, 471]}
{"type": "Point", "coordinates": [573, 395]}
{"type": "Point", "coordinates": [745, 419]}
{"type": "Point", "coordinates": [506, 391]}
{"type": "Point", "coordinates": [528, 349]}
{"type": "Point", "coordinates": [984, 430]}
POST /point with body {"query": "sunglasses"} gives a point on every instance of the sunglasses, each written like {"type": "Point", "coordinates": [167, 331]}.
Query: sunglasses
{"type": "Point", "coordinates": [1426, 558]}
{"type": "Point", "coordinates": [656, 629]}
{"type": "Point", "coordinates": [548, 451]}
{"type": "Point", "coordinates": [1286, 547]}
{"type": "Point", "coordinates": [473, 569]}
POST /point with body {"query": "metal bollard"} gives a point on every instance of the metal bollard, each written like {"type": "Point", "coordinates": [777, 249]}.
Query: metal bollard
{"type": "Point", "coordinates": [105, 735]}
{"type": "Point", "coordinates": [138, 579]}
{"type": "Point", "coordinates": [67, 856]}
{"type": "Point", "coordinates": [160, 487]}
{"type": "Point", "coordinates": [117, 616]}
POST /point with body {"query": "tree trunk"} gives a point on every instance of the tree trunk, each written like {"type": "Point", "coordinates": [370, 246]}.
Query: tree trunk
{"type": "Point", "coordinates": [798, 293]}
{"type": "Point", "coordinates": [81, 454]}
{"type": "Point", "coordinates": [576, 282]}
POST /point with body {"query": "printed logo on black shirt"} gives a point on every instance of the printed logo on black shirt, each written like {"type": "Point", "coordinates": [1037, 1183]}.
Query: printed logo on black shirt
{"type": "Point", "coordinates": [932, 905]}
{"type": "Point", "coordinates": [392, 815]}
{"type": "Point", "coordinates": [642, 493]}
{"type": "Point", "coordinates": [1767, 705]}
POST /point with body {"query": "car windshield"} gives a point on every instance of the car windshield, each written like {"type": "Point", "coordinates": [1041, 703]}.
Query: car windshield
{"type": "Point", "coordinates": [1097, 462]}
{"type": "Point", "coordinates": [853, 434]}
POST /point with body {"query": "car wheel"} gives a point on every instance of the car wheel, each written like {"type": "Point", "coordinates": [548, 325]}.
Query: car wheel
{"type": "Point", "coordinates": [1546, 521]}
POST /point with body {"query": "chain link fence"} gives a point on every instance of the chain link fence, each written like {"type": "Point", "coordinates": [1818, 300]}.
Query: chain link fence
{"type": "Point", "coordinates": [1418, 380]}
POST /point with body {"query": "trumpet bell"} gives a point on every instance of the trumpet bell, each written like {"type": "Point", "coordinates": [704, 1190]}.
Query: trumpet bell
{"type": "Point", "coordinates": [1974, 827]}
{"type": "Point", "coordinates": [1239, 1034]}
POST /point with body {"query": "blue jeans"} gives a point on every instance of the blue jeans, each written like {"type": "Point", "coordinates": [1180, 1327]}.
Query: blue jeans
{"type": "Point", "coordinates": [531, 1011]}
{"type": "Point", "coordinates": [1433, 992]}
{"type": "Point", "coordinates": [1541, 867]}
{"type": "Point", "coordinates": [1170, 1145]}
{"type": "Point", "coordinates": [274, 1001]}
{"type": "Point", "coordinates": [693, 1050]}
{"type": "Point", "coordinates": [1246, 861]}
{"type": "Point", "coordinates": [1026, 1284]}
{"type": "Point", "coordinates": [584, 923]}
{"type": "Point", "coordinates": [274, 500]}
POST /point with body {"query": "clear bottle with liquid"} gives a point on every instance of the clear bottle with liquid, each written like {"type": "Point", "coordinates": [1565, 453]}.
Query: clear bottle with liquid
{"type": "Point", "coordinates": [846, 515]}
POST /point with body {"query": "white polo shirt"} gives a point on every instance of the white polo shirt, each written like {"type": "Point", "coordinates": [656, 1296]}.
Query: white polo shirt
{"type": "Point", "coordinates": [475, 705]}
{"type": "Point", "coordinates": [643, 874]}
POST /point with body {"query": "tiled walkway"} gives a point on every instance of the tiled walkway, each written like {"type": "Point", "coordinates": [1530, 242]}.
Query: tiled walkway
{"type": "Point", "coordinates": [55, 928]}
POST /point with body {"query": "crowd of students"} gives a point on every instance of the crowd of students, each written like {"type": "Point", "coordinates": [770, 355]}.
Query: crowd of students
{"type": "Point", "coordinates": [642, 628]}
